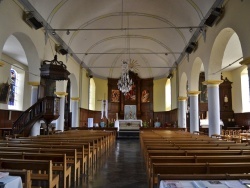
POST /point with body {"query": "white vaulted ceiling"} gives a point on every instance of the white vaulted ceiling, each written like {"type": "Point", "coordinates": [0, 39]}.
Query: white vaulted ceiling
{"type": "Point", "coordinates": [102, 33]}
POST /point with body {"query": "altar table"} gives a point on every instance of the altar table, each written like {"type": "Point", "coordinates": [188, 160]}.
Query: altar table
{"type": "Point", "coordinates": [128, 124]}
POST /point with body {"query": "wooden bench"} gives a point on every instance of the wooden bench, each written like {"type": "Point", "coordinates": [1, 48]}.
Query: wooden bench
{"type": "Point", "coordinates": [58, 160]}
{"type": "Point", "coordinates": [197, 168]}
{"type": "Point", "coordinates": [71, 156]}
{"type": "Point", "coordinates": [151, 153]}
{"type": "Point", "coordinates": [80, 149]}
{"type": "Point", "coordinates": [93, 147]}
{"type": "Point", "coordinates": [197, 159]}
{"type": "Point", "coordinates": [36, 167]}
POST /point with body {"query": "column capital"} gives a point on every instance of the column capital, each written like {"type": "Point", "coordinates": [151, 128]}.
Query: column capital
{"type": "Point", "coordinates": [181, 98]}
{"type": "Point", "coordinates": [245, 61]}
{"type": "Point", "coordinates": [1, 63]}
{"type": "Point", "coordinates": [34, 83]}
{"type": "Point", "coordinates": [212, 82]}
{"type": "Point", "coordinates": [193, 93]}
{"type": "Point", "coordinates": [61, 93]}
{"type": "Point", "coordinates": [75, 98]}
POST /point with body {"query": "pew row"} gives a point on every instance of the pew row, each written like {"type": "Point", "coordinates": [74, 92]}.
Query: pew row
{"type": "Point", "coordinates": [36, 167]}
{"type": "Point", "coordinates": [58, 160]}
{"type": "Point", "coordinates": [71, 156]}
{"type": "Point", "coordinates": [197, 168]}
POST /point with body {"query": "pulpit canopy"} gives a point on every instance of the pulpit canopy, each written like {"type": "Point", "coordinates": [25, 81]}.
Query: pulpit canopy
{"type": "Point", "coordinates": [54, 70]}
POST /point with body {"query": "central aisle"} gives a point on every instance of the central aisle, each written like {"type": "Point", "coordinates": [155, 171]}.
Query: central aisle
{"type": "Point", "coordinates": [123, 167]}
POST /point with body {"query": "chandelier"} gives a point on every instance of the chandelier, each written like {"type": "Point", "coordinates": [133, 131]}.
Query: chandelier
{"type": "Point", "coordinates": [125, 83]}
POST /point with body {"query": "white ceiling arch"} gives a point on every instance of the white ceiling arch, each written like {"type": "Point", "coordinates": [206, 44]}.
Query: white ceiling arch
{"type": "Point", "coordinates": [98, 33]}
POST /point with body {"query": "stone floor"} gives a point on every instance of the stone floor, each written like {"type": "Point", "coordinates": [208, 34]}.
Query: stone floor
{"type": "Point", "coordinates": [121, 167]}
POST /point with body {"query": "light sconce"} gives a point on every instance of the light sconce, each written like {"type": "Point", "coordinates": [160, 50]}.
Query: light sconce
{"type": "Point", "coordinates": [191, 30]}
{"type": "Point", "coordinates": [53, 32]}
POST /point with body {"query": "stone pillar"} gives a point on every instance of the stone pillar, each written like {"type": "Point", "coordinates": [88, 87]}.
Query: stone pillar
{"type": "Point", "coordinates": [34, 92]}
{"type": "Point", "coordinates": [60, 120]}
{"type": "Point", "coordinates": [33, 99]}
{"type": "Point", "coordinates": [75, 111]}
{"type": "Point", "coordinates": [182, 105]}
{"type": "Point", "coordinates": [35, 129]}
{"type": "Point", "coordinates": [194, 110]}
{"type": "Point", "coordinates": [213, 106]}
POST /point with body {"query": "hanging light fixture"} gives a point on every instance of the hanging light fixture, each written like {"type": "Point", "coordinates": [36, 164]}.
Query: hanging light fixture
{"type": "Point", "coordinates": [125, 83]}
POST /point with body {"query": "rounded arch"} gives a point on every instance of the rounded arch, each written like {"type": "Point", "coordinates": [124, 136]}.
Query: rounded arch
{"type": "Point", "coordinates": [183, 85]}
{"type": "Point", "coordinates": [195, 73]}
{"type": "Point", "coordinates": [31, 55]}
{"type": "Point", "coordinates": [74, 91]}
{"type": "Point", "coordinates": [217, 54]}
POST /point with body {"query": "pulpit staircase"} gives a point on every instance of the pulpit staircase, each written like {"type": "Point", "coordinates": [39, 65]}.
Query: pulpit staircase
{"type": "Point", "coordinates": [46, 109]}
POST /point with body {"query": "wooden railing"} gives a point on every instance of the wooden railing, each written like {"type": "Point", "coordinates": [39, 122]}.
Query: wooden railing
{"type": "Point", "coordinates": [46, 109]}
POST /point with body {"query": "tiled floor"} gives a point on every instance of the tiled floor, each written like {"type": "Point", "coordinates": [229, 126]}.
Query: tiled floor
{"type": "Point", "coordinates": [121, 167]}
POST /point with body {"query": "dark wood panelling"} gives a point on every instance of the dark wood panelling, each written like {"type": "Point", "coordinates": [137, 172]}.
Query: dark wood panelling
{"type": "Point", "coordinates": [5, 115]}
{"type": "Point", "coordinates": [144, 109]}
{"type": "Point", "coordinates": [168, 118]}
{"type": "Point", "coordinates": [242, 119]}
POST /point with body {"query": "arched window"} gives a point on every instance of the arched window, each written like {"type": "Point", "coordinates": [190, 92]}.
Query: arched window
{"type": "Point", "coordinates": [92, 94]}
{"type": "Point", "coordinates": [16, 88]}
{"type": "Point", "coordinates": [245, 91]}
{"type": "Point", "coordinates": [168, 95]}
{"type": "Point", "coordinates": [13, 76]}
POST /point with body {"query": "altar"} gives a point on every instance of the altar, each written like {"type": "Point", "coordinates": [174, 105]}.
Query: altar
{"type": "Point", "coordinates": [129, 124]}
{"type": "Point", "coordinates": [128, 127]}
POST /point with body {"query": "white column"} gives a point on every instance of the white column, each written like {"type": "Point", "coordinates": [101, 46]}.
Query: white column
{"type": "Point", "coordinates": [213, 106]}
{"type": "Point", "coordinates": [60, 120]}
{"type": "Point", "coordinates": [33, 99]}
{"type": "Point", "coordinates": [75, 111]}
{"type": "Point", "coordinates": [194, 110]}
{"type": "Point", "coordinates": [34, 92]}
{"type": "Point", "coordinates": [182, 122]}
{"type": "Point", "coordinates": [35, 129]}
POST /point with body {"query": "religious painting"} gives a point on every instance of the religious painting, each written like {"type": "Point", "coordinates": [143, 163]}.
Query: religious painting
{"type": "Point", "coordinates": [145, 96]}
{"type": "Point", "coordinates": [4, 92]}
{"type": "Point", "coordinates": [203, 95]}
{"type": "Point", "coordinates": [131, 95]}
{"type": "Point", "coordinates": [115, 95]}
{"type": "Point", "coordinates": [203, 89]}
{"type": "Point", "coordinates": [129, 112]}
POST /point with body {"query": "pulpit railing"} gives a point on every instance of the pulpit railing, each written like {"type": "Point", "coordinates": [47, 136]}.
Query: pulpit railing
{"type": "Point", "coordinates": [46, 109]}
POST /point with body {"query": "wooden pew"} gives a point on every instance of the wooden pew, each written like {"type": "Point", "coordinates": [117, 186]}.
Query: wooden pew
{"type": "Point", "coordinates": [71, 156]}
{"type": "Point", "coordinates": [80, 149]}
{"type": "Point", "coordinates": [151, 153]}
{"type": "Point", "coordinates": [93, 146]}
{"type": "Point", "coordinates": [197, 159]}
{"type": "Point", "coordinates": [35, 166]}
{"type": "Point", "coordinates": [197, 168]}
{"type": "Point", "coordinates": [58, 161]}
